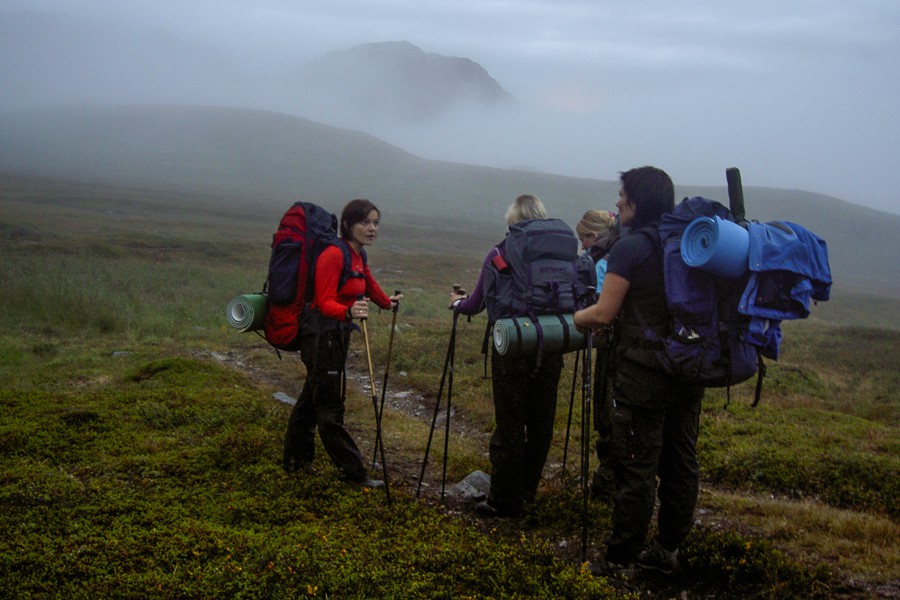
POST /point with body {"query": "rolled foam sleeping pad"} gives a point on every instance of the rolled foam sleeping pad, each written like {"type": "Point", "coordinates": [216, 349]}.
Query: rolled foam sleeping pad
{"type": "Point", "coordinates": [519, 335]}
{"type": "Point", "coordinates": [717, 246]}
{"type": "Point", "coordinates": [247, 312]}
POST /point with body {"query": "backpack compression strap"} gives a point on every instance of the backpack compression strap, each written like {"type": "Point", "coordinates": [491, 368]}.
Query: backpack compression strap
{"type": "Point", "coordinates": [761, 372]}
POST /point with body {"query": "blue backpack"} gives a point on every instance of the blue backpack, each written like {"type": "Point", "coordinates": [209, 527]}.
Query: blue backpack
{"type": "Point", "coordinates": [707, 338]}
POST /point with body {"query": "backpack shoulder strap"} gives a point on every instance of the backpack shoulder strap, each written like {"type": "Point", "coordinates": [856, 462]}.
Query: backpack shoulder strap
{"type": "Point", "coordinates": [651, 231]}
{"type": "Point", "coordinates": [650, 339]}
{"type": "Point", "coordinates": [347, 271]}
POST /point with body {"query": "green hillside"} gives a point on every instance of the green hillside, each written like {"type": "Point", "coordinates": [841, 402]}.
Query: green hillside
{"type": "Point", "coordinates": [269, 160]}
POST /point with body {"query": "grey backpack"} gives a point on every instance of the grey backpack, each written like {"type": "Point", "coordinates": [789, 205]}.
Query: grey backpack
{"type": "Point", "coordinates": [538, 270]}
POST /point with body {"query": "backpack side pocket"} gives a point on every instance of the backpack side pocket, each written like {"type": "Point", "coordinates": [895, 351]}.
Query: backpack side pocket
{"type": "Point", "coordinates": [284, 271]}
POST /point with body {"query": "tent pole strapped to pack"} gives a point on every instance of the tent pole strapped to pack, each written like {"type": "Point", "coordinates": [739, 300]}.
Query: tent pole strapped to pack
{"type": "Point", "coordinates": [519, 335]}
{"type": "Point", "coordinates": [247, 312]}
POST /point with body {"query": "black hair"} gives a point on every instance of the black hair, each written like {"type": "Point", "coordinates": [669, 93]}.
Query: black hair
{"type": "Point", "coordinates": [355, 212]}
{"type": "Point", "coordinates": [652, 193]}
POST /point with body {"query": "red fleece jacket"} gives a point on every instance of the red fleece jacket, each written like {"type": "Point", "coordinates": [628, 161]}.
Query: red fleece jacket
{"type": "Point", "coordinates": [332, 302]}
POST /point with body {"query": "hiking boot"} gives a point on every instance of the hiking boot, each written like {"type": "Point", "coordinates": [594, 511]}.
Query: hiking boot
{"type": "Point", "coordinates": [613, 570]}
{"type": "Point", "coordinates": [370, 484]}
{"type": "Point", "coordinates": [486, 509]}
{"type": "Point", "coordinates": [657, 558]}
{"type": "Point", "coordinates": [294, 465]}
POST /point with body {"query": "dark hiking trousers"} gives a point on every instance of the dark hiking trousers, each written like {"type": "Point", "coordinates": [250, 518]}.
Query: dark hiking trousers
{"type": "Point", "coordinates": [321, 405]}
{"type": "Point", "coordinates": [524, 414]}
{"type": "Point", "coordinates": [655, 426]}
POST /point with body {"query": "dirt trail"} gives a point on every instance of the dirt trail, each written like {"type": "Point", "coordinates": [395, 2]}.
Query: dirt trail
{"type": "Point", "coordinates": [404, 470]}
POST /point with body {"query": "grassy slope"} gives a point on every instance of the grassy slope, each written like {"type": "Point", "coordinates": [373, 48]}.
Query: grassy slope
{"type": "Point", "coordinates": [156, 470]}
{"type": "Point", "coordinates": [270, 159]}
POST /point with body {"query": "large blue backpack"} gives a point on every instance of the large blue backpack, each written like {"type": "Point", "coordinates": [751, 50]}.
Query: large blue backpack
{"type": "Point", "coordinates": [707, 340]}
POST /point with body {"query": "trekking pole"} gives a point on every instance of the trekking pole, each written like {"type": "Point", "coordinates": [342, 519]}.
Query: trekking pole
{"type": "Point", "coordinates": [447, 421]}
{"type": "Point", "coordinates": [571, 406]}
{"type": "Point", "coordinates": [486, 346]}
{"type": "Point", "coordinates": [437, 404]}
{"type": "Point", "coordinates": [585, 442]}
{"type": "Point", "coordinates": [387, 491]}
{"type": "Point", "coordinates": [387, 366]}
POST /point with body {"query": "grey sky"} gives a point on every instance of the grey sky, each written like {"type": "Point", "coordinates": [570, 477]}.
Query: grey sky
{"type": "Point", "coordinates": [799, 94]}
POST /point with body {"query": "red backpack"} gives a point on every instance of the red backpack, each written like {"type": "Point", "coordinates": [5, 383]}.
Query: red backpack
{"type": "Point", "coordinates": [304, 231]}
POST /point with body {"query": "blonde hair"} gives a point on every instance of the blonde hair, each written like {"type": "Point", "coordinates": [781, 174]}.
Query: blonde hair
{"type": "Point", "coordinates": [597, 222]}
{"type": "Point", "coordinates": [525, 208]}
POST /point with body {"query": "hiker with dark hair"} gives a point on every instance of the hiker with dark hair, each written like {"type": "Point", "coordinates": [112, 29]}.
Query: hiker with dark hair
{"type": "Point", "coordinates": [598, 230]}
{"type": "Point", "coordinates": [524, 397]}
{"type": "Point", "coordinates": [323, 348]}
{"type": "Point", "coordinates": [655, 417]}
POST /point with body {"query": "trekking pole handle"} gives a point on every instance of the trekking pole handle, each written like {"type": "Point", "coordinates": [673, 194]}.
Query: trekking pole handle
{"type": "Point", "coordinates": [397, 304]}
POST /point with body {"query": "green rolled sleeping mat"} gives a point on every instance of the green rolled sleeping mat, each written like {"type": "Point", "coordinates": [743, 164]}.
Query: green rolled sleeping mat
{"type": "Point", "coordinates": [519, 335]}
{"type": "Point", "coordinates": [247, 312]}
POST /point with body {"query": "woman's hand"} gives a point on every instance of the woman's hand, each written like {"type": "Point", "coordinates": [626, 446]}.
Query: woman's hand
{"type": "Point", "coordinates": [395, 299]}
{"type": "Point", "coordinates": [583, 322]}
{"type": "Point", "coordinates": [359, 309]}
{"type": "Point", "coordinates": [457, 294]}
{"type": "Point", "coordinates": [604, 312]}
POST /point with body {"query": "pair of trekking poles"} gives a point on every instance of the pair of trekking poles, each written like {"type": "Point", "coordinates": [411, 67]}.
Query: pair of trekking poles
{"type": "Point", "coordinates": [379, 407]}
{"type": "Point", "coordinates": [586, 385]}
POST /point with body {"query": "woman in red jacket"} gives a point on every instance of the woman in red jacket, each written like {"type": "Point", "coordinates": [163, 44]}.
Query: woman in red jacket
{"type": "Point", "coordinates": [324, 349]}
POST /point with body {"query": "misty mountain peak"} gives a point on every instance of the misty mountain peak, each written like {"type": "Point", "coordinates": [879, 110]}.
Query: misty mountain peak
{"type": "Point", "coordinates": [397, 81]}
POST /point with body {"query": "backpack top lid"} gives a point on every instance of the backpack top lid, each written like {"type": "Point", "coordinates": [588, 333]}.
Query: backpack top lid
{"type": "Point", "coordinates": [675, 222]}
{"type": "Point", "coordinates": [544, 239]}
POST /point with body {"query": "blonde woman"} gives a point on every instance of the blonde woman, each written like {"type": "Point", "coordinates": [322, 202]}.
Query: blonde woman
{"type": "Point", "coordinates": [524, 397]}
{"type": "Point", "coordinates": [597, 230]}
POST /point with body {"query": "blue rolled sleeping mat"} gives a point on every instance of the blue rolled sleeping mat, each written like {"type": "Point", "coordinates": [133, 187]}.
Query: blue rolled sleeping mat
{"type": "Point", "coordinates": [247, 312]}
{"type": "Point", "coordinates": [519, 335]}
{"type": "Point", "coordinates": [716, 246]}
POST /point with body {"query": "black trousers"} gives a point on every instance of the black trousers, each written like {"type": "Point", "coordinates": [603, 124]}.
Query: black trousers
{"type": "Point", "coordinates": [524, 414]}
{"type": "Point", "coordinates": [655, 423]}
{"type": "Point", "coordinates": [321, 406]}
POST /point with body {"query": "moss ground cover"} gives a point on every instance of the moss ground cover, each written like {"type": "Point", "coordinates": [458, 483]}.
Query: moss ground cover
{"type": "Point", "coordinates": [165, 478]}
